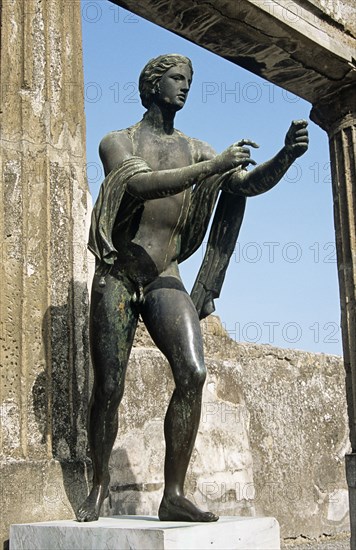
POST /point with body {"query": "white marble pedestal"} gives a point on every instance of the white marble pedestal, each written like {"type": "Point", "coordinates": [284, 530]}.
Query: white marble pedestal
{"type": "Point", "coordinates": [145, 533]}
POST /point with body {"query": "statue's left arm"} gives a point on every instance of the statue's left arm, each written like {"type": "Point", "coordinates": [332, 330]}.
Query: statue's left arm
{"type": "Point", "coordinates": [265, 176]}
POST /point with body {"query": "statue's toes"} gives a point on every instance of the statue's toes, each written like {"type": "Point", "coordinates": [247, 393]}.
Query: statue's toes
{"type": "Point", "coordinates": [208, 517]}
{"type": "Point", "coordinates": [86, 514]}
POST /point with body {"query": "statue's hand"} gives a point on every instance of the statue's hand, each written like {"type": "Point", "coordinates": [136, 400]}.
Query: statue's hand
{"type": "Point", "coordinates": [297, 140]}
{"type": "Point", "coordinates": [234, 156]}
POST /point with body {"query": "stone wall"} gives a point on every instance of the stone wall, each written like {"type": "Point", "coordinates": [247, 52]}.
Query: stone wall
{"type": "Point", "coordinates": [43, 281]}
{"type": "Point", "coordinates": [272, 438]}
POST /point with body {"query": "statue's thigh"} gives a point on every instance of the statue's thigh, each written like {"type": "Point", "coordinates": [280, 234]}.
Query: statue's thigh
{"type": "Point", "coordinates": [113, 322]}
{"type": "Point", "coordinates": [173, 323]}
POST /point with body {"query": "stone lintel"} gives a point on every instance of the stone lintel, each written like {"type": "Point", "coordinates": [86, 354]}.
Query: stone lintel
{"type": "Point", "coordinates": [336, 110]}
{"type": "Point", "coordinates": [137, 532]}
{"type": "Point", "coordinates": [299, 45]}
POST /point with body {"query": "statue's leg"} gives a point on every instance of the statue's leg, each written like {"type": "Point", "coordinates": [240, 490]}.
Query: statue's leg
{"type": "Point", "coordinates": [113, 321]}
{"type": "Point", "coordinates": [173, 323]}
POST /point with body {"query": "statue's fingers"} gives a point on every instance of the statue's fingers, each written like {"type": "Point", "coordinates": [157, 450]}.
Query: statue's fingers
{"type": "Point", "coordinates": [301, 132]}
{"type": "Point", "coordinates": [248, 142]}
{"type": "Point", "coordinates": [299, 141]}
{"type": "Point", "coordinates": [299, 123]}
{"type": "Point", "coordinates": [301, 138]}
{"type": "Point", "coordinates": [244, 150]}
{"type": "Point", "coordinates": [246, 162]}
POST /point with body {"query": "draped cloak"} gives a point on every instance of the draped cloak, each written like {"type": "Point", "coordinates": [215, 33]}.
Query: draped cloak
{"type": "Point", "coordinates": [115, 206]}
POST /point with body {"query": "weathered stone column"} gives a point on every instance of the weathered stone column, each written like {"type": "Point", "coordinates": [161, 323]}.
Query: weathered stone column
{"type": "Point", "coordinates": [337, 115]}
{"type": "Point", "coordinates": [43, 300]}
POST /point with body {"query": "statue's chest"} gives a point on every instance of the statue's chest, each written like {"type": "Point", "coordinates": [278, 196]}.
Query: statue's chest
{"type": "Point", "coordinates": [164, 153]}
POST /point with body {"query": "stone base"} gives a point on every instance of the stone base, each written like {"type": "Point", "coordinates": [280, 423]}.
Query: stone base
{"type": "Point", "coordinates": [140, 532]}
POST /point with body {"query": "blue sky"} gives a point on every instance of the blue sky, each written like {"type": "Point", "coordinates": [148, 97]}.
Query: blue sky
{"type": "Point", "coordinates": [281, 287]}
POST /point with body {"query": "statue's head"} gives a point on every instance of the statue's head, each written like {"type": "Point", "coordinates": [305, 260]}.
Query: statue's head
{"type": "Point", "coordinates": [153, 71]}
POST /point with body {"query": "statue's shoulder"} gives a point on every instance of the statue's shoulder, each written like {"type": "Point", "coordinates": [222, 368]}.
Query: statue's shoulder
{"type": "Point", "coordinates": [114, 148]}
{"type": "Point", "coordinates": [116, 143]}
{"type": "Point", "coordinates": [115, 137]}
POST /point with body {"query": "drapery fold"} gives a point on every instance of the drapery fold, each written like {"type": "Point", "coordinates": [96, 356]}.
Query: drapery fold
{"type": "Point", "coordinates": [113, 207]}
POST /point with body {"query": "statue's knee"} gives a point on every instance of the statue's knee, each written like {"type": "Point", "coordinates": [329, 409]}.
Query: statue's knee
{"type": "Point", "coordinates": [110, 391]}
{"type": "Point", "coordinates": [199, 376]}
{"type": "Point", "coordinates": [193, 379]}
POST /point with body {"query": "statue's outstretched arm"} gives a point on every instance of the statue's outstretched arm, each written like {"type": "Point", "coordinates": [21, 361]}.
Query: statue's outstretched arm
{"type": "Point", "coordinates": [162, 183]}
{"type": "Point", "coordinates": [265, 176]}
{"type": "Point", "coordinates": [115, 148]}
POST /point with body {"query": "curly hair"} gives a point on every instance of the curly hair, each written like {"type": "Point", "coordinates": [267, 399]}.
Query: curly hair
{"type": "Point", "coordinates": [153, 71]}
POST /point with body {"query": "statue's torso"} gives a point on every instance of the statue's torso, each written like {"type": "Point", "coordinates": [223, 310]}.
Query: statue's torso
{"type": "Point", "coordinates": [149, 242]}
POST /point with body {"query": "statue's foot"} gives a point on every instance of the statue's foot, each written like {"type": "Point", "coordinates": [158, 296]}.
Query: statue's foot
{"type": "Point", "coordinates": [179, 508]}
{"type": "Point", "coordinates": [90, 509]}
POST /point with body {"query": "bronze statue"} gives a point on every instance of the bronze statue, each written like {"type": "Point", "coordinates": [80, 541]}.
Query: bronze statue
{"type": "Point", "coordinates": [152, 212]}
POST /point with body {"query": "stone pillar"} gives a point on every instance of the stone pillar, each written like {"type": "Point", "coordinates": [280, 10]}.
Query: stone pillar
{"type": "Point", "coordinates": [43, 290]}
{"type": "Point", "coordinates": [337, 115]}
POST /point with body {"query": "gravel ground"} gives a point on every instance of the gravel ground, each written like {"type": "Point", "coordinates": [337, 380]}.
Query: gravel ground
{"type": "Point", "coordinates": [340, 542]}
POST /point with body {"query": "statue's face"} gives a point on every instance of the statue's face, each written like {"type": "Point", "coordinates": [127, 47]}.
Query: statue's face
{"type": "Point", "coordinates": [174, 86]}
